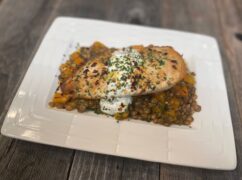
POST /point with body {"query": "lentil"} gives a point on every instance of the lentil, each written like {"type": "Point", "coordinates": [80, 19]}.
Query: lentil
{"type": "Point", "coordinates": [173, 106]}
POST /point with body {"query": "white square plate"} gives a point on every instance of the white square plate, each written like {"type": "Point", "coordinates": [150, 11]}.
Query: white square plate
{"type": "Point", "coordinates": [209, 143]}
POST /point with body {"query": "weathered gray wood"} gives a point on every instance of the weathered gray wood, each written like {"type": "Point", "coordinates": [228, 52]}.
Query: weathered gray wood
{"type": "Point", "coordinates": [112, 166]}
{"type": "Point", "coordinates": [89, 165]}
{"type": "Point", "coordinates": [136, 12]}
{"type": "Point", "coordinates": [89, 9]}
{"type": "Point", "coordinates": [136, 169]}
{"type": "Point", "coordinates": [143, 13]}
{"type": "Point", "coordinates": [208, 17]}
{"type": "Point", "coordinates": [37, 162]}
{"type": "Point", "coordinates": [6, 152]}
{"type": "Point", "coordinates": [230, 22]}
{"type": "Point", "coordinates": [20, 31]}
{"type": "Point", "coordinates": [23, 24]}
{"type": "Point", "coordinates": [95, 166]}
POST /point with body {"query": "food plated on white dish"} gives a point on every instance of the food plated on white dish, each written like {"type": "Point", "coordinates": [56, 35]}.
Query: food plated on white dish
{"type": "Point", "coordinates": [157, 122]}
{"type": "Point", "coordinates": [149, 83]}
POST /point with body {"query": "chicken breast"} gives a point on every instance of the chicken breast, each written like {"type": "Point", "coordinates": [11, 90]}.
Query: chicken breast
{"type": "Point", "coordinates": [131, 71]}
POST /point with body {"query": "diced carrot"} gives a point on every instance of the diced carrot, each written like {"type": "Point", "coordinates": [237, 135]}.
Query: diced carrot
{"type": "Point", "coordinates": [60, 99]}
{"type": "Point", "coordinates": [57, 95]}
{"type": "Point", "coordinates": [66, 70]}
{"type": "Point", "coordinates": [175, 103]}
{"type": "Point", "coordinates": [190, 79]}
{"type": "Point", "coordinates": [121, 116]}
{"type": "Point", "coordinates": [78, 60]}
{"type": "Point", "coordinates": [75, 57]}
{"type": "Point", "coordinates": [160, 97]}
{"type": "Point", "coordinates": [97, 46]}
{"type": "Point", "coordinates": [171, 113]}
{"type": "Point", "coordinates": [139, 48]}
{"type": "Point", "coordinates": [181, 91]}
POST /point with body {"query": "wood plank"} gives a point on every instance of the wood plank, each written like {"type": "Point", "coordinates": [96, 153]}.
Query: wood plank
{"type": "Point", "coordinates": [136, 15]}
{"type": "Point", "coordinates": [89, 165]}
{"type": "Point", "coordinates": [189, 15]}
{"type": "Point", "coordinates": [87, 9]}
{"type": "Point", "coordinates": [139, 13]}
{"type": "Point", "coordinates": [230, 22]}
{"type": "Point", "coordinates": [96, 166]}
{"type": "Point", "coordinates": [145, 13]}
{"type": "Point", "coordinates": [142, 13]}
{"type": "Point", "coordinates": [203, 17]}
{"type": "Point", "coordinates": [20, 36]}
{"type": "Point", "coordinates": [38, 159]}
{"type": "Point", "coordinates": [74, 11]}
{"type": "Point", "coordinates": [136, 169]}
{"type": "Point", "coordinates": [6, 152]}
{"type": "Point", "coordinates": [21, 31]}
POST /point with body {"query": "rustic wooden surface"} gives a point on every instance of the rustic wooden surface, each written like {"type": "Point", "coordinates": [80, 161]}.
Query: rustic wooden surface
{"type": "Point", "coordinates": [22, 26]}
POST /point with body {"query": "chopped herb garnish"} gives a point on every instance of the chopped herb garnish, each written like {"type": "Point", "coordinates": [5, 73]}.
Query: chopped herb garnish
{"type": "Point", "coordinates": [161, 62]}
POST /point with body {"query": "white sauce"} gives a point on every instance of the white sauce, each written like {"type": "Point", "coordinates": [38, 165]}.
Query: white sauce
{"type": "Point", "coordinates": [112, 106]}
{"type": "Point", "coordinates": [120, 66]}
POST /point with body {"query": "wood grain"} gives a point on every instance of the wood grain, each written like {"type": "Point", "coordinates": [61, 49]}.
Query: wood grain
{"type": "Point", "coordinates": [37, 162]}
{"type": "Point", "coordinates": [211, 23]}
{"type": "Point", "coordinates": [141, 13]}
{"type": "Point", "coordinates": [136, 169]}
{"type": "Point", "coordinates": [95, 166]}
{"type": "Point", "coordinates": [21, 33]}
{"type": "Point", "coordinates": [135, 12]}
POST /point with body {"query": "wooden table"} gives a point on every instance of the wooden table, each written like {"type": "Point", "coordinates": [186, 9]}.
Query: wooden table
{"type": "Point", "coordinates": [23, 23]}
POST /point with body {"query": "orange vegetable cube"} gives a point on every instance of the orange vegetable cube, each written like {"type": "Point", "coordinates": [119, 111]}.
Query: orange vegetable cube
{"type": "Point", "coordinates": [60, 99]}
{"type": "Point", "coordinates": [181, 91]}
{"type": "Point", "coordinates": [160, 97]}
{"type": "Point", "coordinates": [97, 47]}
{"type": "Point", "coordinates": [175, 103]}
{"type": "Point", "coordinates": [75, 57]}
{"type": "Point", "coordinates": [190, 79]}
{"type": "Point", "coordinates": [139, 48]}
{"type": "Point", "coordinates": [171, 113]}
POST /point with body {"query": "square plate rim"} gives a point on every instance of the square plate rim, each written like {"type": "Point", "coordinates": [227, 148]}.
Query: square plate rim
{"type": "Point", "coordinates": [156, 28]}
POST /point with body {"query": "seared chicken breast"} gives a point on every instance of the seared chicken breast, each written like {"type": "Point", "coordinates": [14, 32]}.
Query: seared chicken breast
{"type": "Point", "coordinates": [131, 71]}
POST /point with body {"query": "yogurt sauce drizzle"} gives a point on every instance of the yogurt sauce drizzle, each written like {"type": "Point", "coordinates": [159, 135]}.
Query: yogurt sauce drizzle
{"type": "Point", "coordinates": [120, 66]}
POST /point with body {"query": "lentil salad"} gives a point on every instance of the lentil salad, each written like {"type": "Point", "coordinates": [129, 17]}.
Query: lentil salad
{"type": "Point", "coordinates": [175, 105]}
